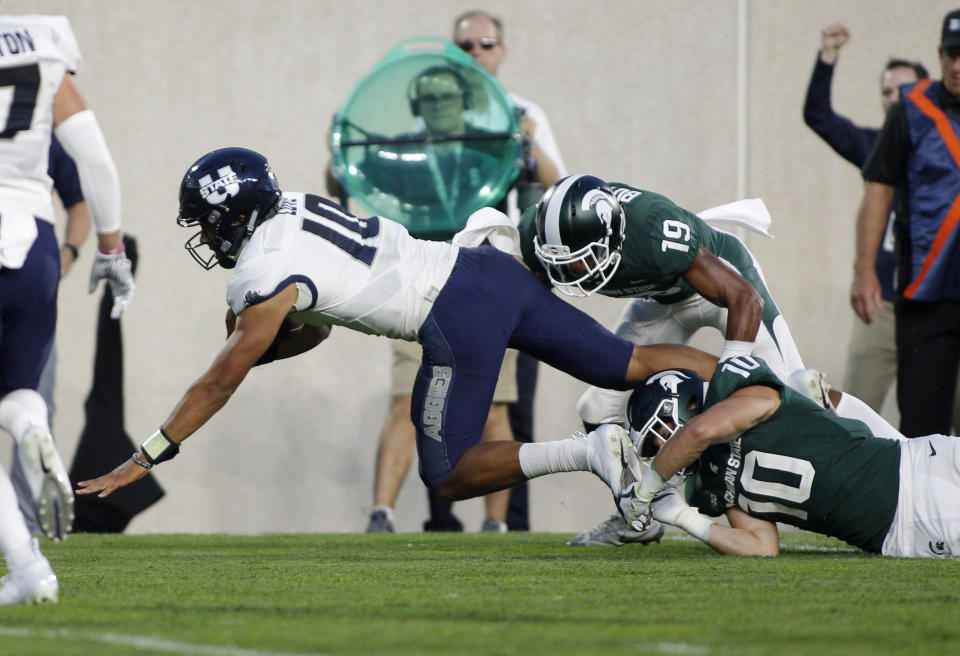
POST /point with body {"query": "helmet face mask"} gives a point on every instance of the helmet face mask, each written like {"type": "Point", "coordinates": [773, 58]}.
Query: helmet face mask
{"type": "Point", "coordinates": [227, 193]}
{"type": "Point", "coordinates": [660, 407]}
{"type": "Point", "coordinates": [579, 273]}
{"type": "Point", "coordinates": [580, 232]}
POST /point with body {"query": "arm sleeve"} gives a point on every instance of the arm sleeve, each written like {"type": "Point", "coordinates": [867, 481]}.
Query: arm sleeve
{"type": "Point", "coordinates": [887, 161]}
{"type": "Point", "coordinates": [850, 141]}
{"type": "Point", "coordinates": [82, 139]}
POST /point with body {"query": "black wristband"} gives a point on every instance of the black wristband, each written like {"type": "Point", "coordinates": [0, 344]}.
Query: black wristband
{"type": "Point", "coordinates": [73, 250]}
{"type": "Point", "coordinates": [159, 448]}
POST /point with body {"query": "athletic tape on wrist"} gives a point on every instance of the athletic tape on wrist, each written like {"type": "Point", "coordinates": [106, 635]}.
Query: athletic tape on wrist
{"type": "Point", "coordinates": [735, 347]}
{"type": "Point", "coordinates": [651, 483]}
{"type": "Point", "coordinates": [697, 525]}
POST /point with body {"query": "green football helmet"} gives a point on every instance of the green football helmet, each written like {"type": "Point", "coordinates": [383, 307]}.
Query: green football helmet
{"type": "Point", "coordinates": [661, 406]}
{"type": "Point", "coordinates": [580, 230]}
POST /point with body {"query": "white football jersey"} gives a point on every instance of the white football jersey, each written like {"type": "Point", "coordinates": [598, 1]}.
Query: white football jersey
{"type": "Point", "coordinates": [366, 274]}
{"type": "Point", "coordinates": [35, 53]}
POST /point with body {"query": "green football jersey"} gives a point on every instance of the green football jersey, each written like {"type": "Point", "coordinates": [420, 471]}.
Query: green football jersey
{"type": "Point", "coordinates": [661, 241]}
{"type": "Point", "coordinates": [804, 466]}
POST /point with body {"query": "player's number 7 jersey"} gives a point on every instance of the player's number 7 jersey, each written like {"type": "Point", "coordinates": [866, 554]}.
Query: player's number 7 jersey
{"type": "Point", "coordinates": [35, 53]}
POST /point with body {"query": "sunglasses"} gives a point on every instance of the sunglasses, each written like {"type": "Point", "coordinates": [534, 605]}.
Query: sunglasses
{"type": "Point", "coordinates": [487, 43]}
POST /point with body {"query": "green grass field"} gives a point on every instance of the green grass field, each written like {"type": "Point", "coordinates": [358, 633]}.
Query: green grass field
{"type": "Point", "coordinates": [479, 594]}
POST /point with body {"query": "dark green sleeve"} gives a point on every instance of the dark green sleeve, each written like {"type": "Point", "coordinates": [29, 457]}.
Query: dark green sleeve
{"type": "Point", "coordinates": [662, 239]}
{"type": "Point", "coordinates": [736, 373]}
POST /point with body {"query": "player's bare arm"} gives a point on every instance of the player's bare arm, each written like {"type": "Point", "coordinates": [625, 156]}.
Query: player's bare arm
{"type": "Point", "coordinates": [865, 292]}
{"type": "Point", "coordinates": [723, 286]}
{"type": "Point", "coordinates": [255, 329]}
{"type": "Point", "coordinates": [723, 422]}
{"type": "Point", "coordinates": [648, 360]}
{"type": "Point", "coordinates": [746, 536]}
{"type": "Point", "coordinates": [293, 338]}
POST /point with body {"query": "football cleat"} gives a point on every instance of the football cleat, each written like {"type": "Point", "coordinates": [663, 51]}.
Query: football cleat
{"type": "Point", "coordinates": [48, 481]}
{"type": "Point", "coordinates": [34, 584]}
{"type": "Point", "coordinates": [614, 533]}
{"type": "Point", "coordinates": [813, 384]}
{"type": "Point", "coordinates": [493, 526]}
{"type": "Point", "coordinates": [381, 521]}
{"type": "Point", "coordinates": [613, 458]}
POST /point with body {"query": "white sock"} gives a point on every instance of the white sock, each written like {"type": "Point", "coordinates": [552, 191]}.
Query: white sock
{"type": "Point", "coordinates": [853, 408]}
{"type": "Point", "coordinates": [21, 409]}
{"type": "Point", "coordinates": [540, 458]}
{"type": "Point", "coordinates": [15, 539]}
{"type": "Point", "coordinates": [386, 509]}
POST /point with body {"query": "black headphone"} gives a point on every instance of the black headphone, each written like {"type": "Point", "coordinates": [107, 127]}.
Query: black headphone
{"type": "Point", "coordinates": [455, 71]}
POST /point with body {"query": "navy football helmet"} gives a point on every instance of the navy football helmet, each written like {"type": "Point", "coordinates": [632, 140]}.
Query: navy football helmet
{"type": "Point", "coordinates": [661, 406]}
{"type": "Point", "coordinates": [228, 193]}
{"type": "Point", "coordinates": [580, 230]}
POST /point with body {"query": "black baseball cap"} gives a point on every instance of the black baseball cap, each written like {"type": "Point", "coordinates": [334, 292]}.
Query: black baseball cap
{"type": "Point", "coordinates": [950, 36]}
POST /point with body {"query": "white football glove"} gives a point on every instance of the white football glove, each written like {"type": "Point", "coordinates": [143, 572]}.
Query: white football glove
{"type": "Point", "coordinates": [116, 268]}
{"type": "Point", "coordinates": [634, 500]}
{"type": "Point", "coordinates": [634, 511]}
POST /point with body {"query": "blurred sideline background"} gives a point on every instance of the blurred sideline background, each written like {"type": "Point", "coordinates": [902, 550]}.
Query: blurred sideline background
{"type": "Point", "coordinates": [700, 100]}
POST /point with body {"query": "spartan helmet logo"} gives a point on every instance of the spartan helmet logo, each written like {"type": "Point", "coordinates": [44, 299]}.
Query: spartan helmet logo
{"type": "Point", "coordinates": [219, 190]}
{"type": "Point", "coordinates": [601, 202]}
{"type": "Point", "coordinates": [669, 380]}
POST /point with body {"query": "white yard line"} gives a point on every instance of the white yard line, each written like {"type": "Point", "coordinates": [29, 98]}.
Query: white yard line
{"type": "Point", "coordinates": [174, 647]}
{"type": "Point", "coordinates": [140, 642]}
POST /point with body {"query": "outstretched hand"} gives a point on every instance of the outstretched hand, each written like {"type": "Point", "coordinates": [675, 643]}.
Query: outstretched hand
{"type": "Point", "coordinates": [125, 474]}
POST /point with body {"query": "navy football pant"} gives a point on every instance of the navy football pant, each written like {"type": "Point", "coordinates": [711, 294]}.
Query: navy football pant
{"type": "Point", "coordinates": [491, 302]}
{"type": "Point", "coordinates": [28, 313]}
